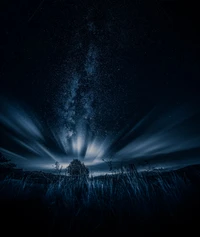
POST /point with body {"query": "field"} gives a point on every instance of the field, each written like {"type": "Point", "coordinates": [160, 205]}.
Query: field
{"type": "Point", "coordinates": [56, 205]}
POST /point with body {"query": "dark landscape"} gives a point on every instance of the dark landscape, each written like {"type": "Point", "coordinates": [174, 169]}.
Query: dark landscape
{"type": "Point", "coordinates": [146, 202]}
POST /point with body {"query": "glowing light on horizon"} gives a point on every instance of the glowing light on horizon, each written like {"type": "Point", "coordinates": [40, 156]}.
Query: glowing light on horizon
{"type": "Point", "coordinates": [30, 145]}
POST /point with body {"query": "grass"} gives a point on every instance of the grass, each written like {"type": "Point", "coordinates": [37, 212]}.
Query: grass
{"type": "Point", "coordinates": [119, 201]}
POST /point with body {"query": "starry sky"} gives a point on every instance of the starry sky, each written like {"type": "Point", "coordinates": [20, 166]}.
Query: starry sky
{"type": "Point", "coordinates": [100, 79]}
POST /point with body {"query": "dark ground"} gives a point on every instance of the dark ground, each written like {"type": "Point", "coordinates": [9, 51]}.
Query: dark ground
{"type": "Point", "coordinates": [33, 214]}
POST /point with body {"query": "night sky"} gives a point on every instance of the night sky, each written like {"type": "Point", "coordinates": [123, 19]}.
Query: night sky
{"type": "Point", "coordinates": [100, 80]}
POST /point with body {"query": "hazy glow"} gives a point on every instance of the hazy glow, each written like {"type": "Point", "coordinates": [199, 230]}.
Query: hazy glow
{"type": "Point", "coordinates": [77, 144]}
{"type": "Point", "coordinates": [163, 136]}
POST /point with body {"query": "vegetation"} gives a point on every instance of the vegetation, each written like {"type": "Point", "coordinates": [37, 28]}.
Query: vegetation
{"type": "Point", "coordinates": [122, 201]}
{"type": "Point", "coordinates": [7, 168]}
{"type": "Point", "coordinates": [76, 168]}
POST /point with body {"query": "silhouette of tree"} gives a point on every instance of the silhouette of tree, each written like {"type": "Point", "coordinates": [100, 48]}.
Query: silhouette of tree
{"type": "Point", "coordinates": [58, 167]}
{"type": "Point", "coordinates": [5, 163]}
{"type": "Point", "coordinates": [76, 168]}
{"type": "Point", "coordinates": [6, 167]}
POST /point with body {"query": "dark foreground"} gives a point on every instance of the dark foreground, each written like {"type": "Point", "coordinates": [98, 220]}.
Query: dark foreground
{"type": "Point", "coordinates": [134, 203]}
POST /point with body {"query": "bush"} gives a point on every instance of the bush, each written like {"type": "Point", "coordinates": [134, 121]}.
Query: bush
{"type": "Point", "coordinates": [76, 168]}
